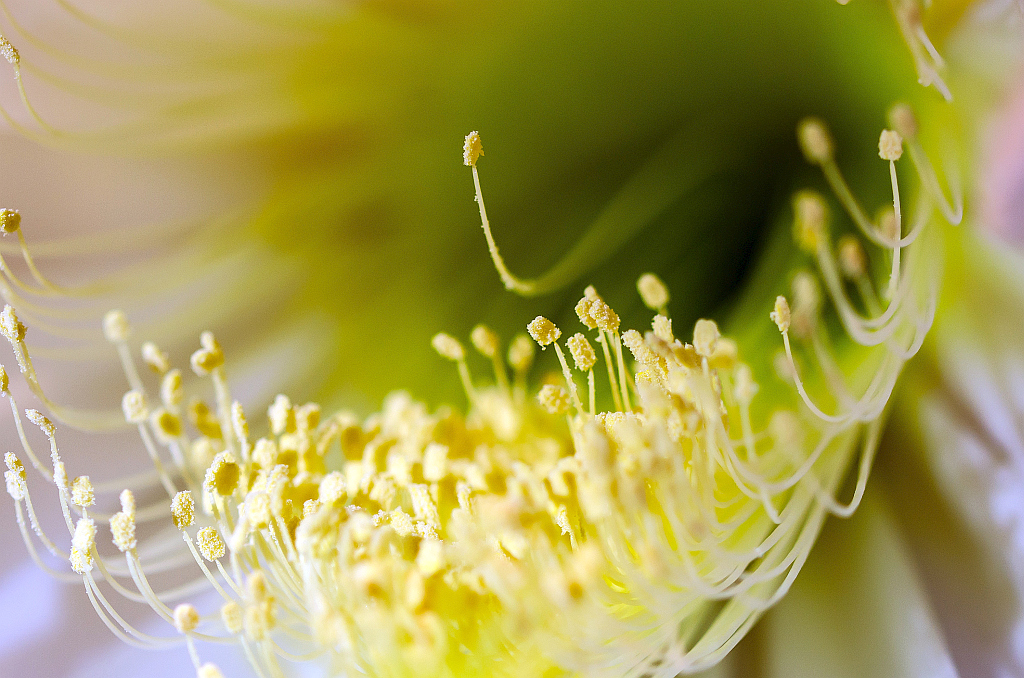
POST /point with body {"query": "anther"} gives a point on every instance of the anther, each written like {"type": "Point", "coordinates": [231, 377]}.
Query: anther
{"type": "Point", "coordinates": [815, 141]}
{"type": "Point", "coordinates": [554, 399]}
{"type": "Point", "coordinates": [122, 528]}
{"type": "Point", "coordinates": [40, 420]}
{"type": "Point", "coordinates": [890, 145]}
{"type": "Point", "coordinates": [231, 616]}
{"type": "Point", "coordinates": [521, 353]}
{"type": "Point", "coordinates": [133, 404]}
{"type": "Point", "coordinates": [543, 331]}
{"type": "Point", "coordinates": [472, 149]}
{"type": "Point", "coordinates": [653, 291]}
{"type": "Point", "coordinates": [810, 215]}
{"type": "Point", "coordinates": [903, 120]}
{"type": "Point", "coordinates": [127, 499]}
{"type": "Point", "coordinates": [448, 347]}
{"type": "Point", "coordinates": [852, 259]}
{"type": "Point", "coordinates": [705, 337]}
{"type": "Point", "coordinates": [186, 618]}
{"type": "Point", "coordinates": [662, 327]}
{"type": "Point", "coordinates": [281, 415]}
{"type": "Point", "coordinates": [10, 326]}
{"type": "Point", "coordinates": [115, 327]}
{"type": "Point", "coordinates": [484, 340]}
{"type": "Point", "coordinates": [82, 544]}
{"type": "Point", "coordinates": [82, 493]}
{"type": "Point", "coordinates": [157, 360]}
{"type": "Point", "coordinates": [210, 543]}
{"type": "Point", "coordinates": [10, 220]}
{"type": "Point", "coordinates": [17, 486]}
{"type": "Point", "coordinates": [8, 51]}
{"type": "Point", "coordinates": [582, 352]}
{"type": "Point", "coordinates": [780, 316]}
{"type": "Point", "coordinates": [183, 510]}
{"type": "Point", "coordinates": [209, 670]}
{"type": "Point", "coordinates": [222, 476]}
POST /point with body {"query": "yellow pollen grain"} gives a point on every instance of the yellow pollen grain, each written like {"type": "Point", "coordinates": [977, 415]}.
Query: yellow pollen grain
{"type": "Point", "coordinates": [8, 51]}
{"type": "Point", "coordinates": [210, 543]}
{"type": "Point", "coordinates": [82, 493]}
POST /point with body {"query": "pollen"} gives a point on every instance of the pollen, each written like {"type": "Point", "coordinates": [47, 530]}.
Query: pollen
{"type": "Point", "coordinates": [521, 353]}
{"type": "Point", "coordinates": [810, 219]}
{"type": "Point", "coordinates": [554, 399]}
{"type": "Point", "coordinates": [852, 259]}
{"type": "Point", "coordinates": [11, 326]}
{"type": "Point", "coordinates": [122, 528]}
{"type": "Point", "coordinates": [10, 220]}
{"type": "Point", "coordinates": [222, 475]}
{"type": "Point", "coordinates": [582, 352]}
{"type": "Point", "coordinates": [543, 331]}
{"type": "Point", "coordinates": [209, 357]}
{"type": "Point", "coordinates": [472, 149]}
{"type": "Point", "coordinates": [448, 346]}
{"type": "Point", "coordinates": [17, 486]}
{"type": "Point", "coordinates": [231, 616]}
{"type": "Point", "coordinates": [8, 51]}
{"type": "Point", "coordinates": [890, 145]}
{"type": "Point", "coordinates": [40, 420]}
{"type": "Point", "coordinates": [183, 510]}
{"type": "Point", "coordinates": [82, 544]}
{"type": "Point", "coordinates": [210, 543]}
{"type": "Point", "coordinates": [209, 670]}
{"type": "Point", "coordinates": [82, 493]}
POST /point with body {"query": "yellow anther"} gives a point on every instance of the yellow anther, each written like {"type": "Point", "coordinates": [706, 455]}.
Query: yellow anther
{"type": "Point", "coordinates": [17, 486]}
{"type": "Point", "coordinates": [890, 145]}
{"type": "Point", "coordinates": [307, 417]}
{"type": "Point", "coordinates": [82, 544]}
{"type": "Point", "coordinates": [133, 404]}
{"type": "Point", "coordinates": [472, 149]}
{"type": "Point", "coordinates": [186, 618]}
{"type": "Point", "coordinates": [171, 392]}
{"type": "Point", "coordinates": [183, 510]}
{"type": "Point", "coordinates": [10, 326]}
{"type": "Point", "coordinates": [448, 346]}
{"type": "Point", "coordinates": [705, 337]}
{"type": "Point", "coordinates": [10, 220]}
{"type": "Point", "coordinates": [127, 499]}
{"type": "Point", "coordinates": [662, 327]}
{"type": "Point", "coordinates": [204, 420]}
{"type": "Point", "coordinates": [604, 316]}
{"type": "Point", "coordinates": [653, 291]}
{"type": "Point", "coordinates": [554, 399]}
{"type": "Point", "coordinates": [852, 259]}
{"type": "Point", "coordinates": [331, 488]}
{"type": "Point", "coordinates": [903, 120]}
{"type": "Point", "coordinates": [4, 381]}
{"type": "Point", "coordinates": [543, 331]}
{"type": "Point", "coordinates": [887, 224]}
{"type": "Point", "coordinates": [157, 360]}
{"type": "Point", "coordinates": [815, 141]}
{"type": "Point", "coordinates": [582, 352]}
{"type": "Point", "coordinates": [40, 420]}
{"type": "Point", "coordinates": [210, 543]}
{"type": "Point", "coordinates": [115, 327]}
{"type": "Point", "coordinates": [82, 493]}
{"type": "Point", "coordinates": [8, 51]}
{"type": "Point", "coordinates": [231, 615]}
{"type": "Point", "coordinates": [583, 312]}
{"type": "Point", "coordinates": [484, 340]}
{"type": "Point", "coordinates": [281, 415]}
{"type": "Point", "coordinates": [238, 422]}
{"type": "Point", "coordinates": [167, 425]}
{"type": "Point", "coordinates": [520, 353]}
{"type": "Point", "coordinates": [810, 216]}
{"type": "Point", "coordinates": [780, 316]}
{"type": "Point", "coordinates": [122, 528]}
{"type": "Point", "coordinates": [222, 475]}
{"type": "Point", "coordinates": [209, 357]}
{"type": "Point", "coordinates": [643, 354]}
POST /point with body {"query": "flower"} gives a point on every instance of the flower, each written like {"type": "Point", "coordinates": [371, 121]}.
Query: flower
{"type": "Point", "coordinates": [644, 536]}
